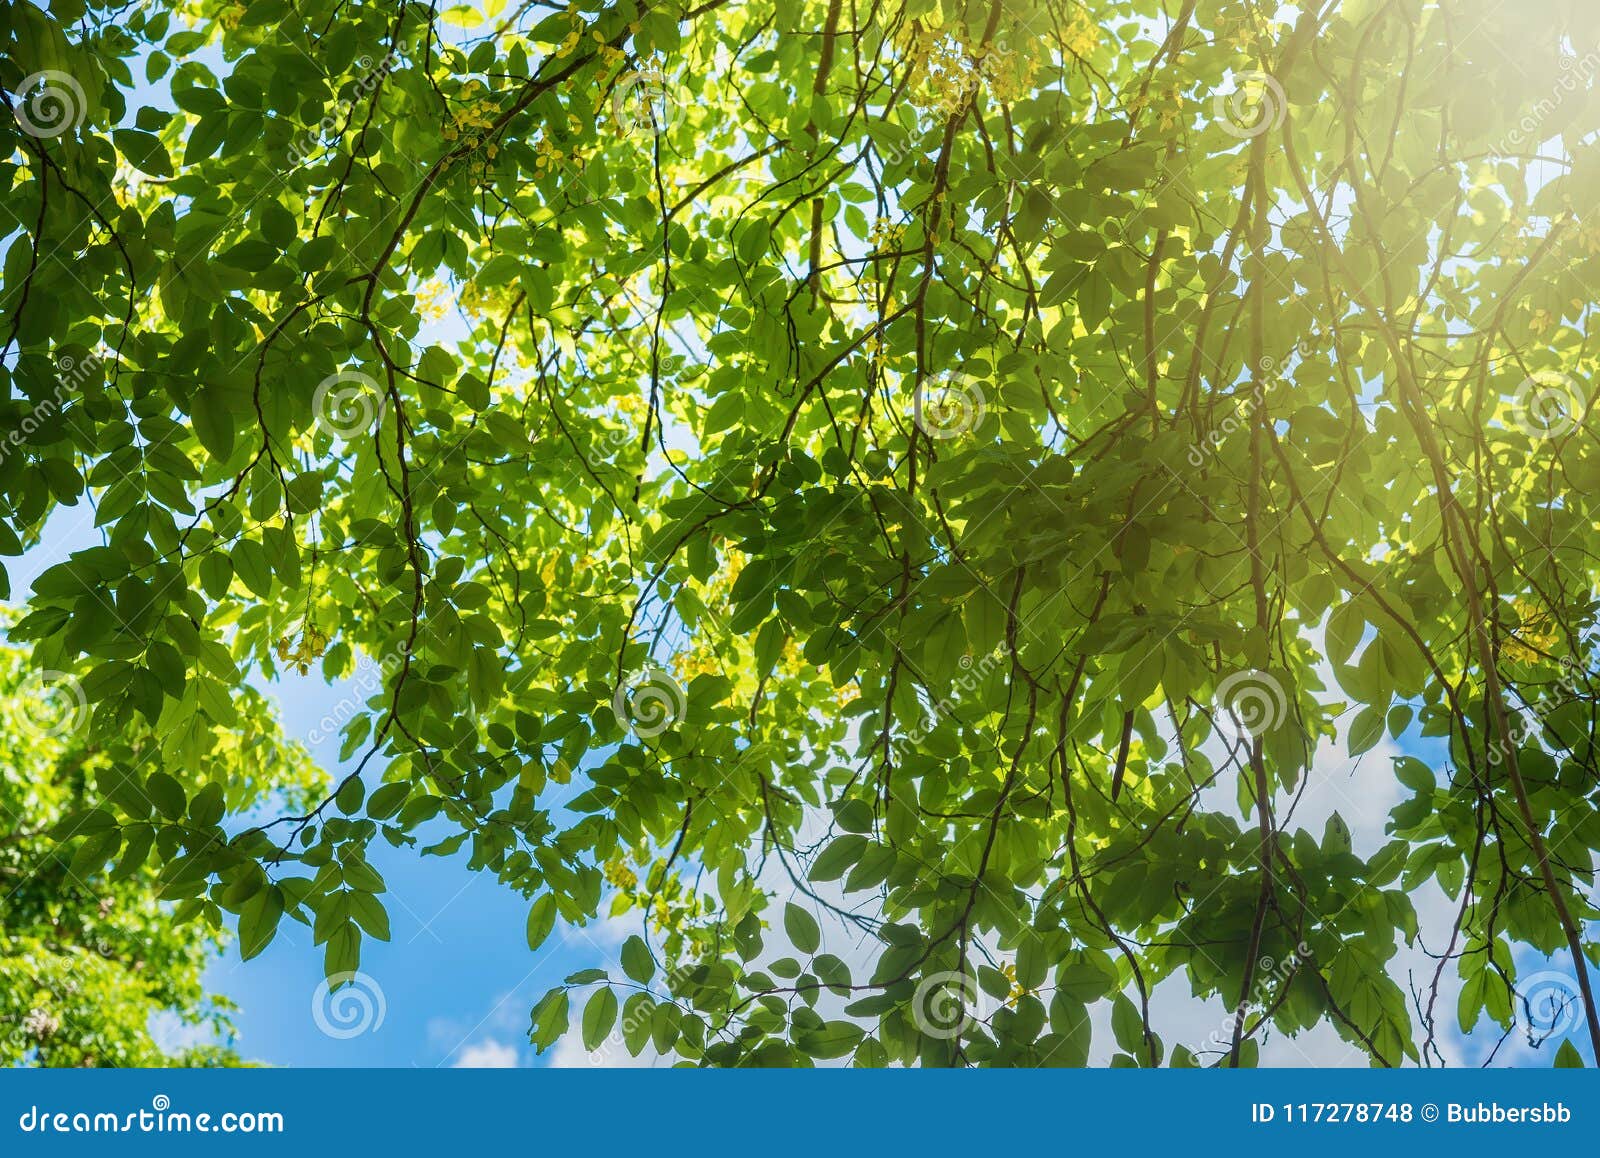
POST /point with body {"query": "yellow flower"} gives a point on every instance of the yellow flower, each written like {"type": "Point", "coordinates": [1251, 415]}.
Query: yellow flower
{"type": "Point", "coordinates": [1083, 34]}
{"type": "Point", "coordinates": [1009, 972]}
{"type": "Point", "coordinates": [619, 875]}
{"type": "Point", "coordinates": [434, 299]}
{"type": "Point", "coordinates": [1535, 633]}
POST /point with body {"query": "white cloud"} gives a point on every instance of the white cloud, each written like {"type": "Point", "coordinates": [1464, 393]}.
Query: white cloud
{"type": "Point", "coordinates": [1362, 790]}
{"type": "Point", "coordinates": [568, 1053]}
{"type": "Point", "coordinates": [488, 1054]}
{"type": "Point", "coordinates": [173, 1035]}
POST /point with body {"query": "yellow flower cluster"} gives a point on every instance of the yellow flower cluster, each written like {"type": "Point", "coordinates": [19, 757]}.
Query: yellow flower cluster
{"type": "Point", "coordinates": [942, 69]}
{"type": "Point", "coordinates": [885, 234]}
{"type": "Point", "coordinates": [434, 299]}
{"type": "Point", "coordinates": [688, 664]}
{"type": "Point", "coordinates": [479, 301]}
{"type": "Point", "coordinates": [301, 653]}
{"type": "Point", "coordinates": [1535, 634]}
{"type": "Point", "coordinates": [546, 157]}
{"type": "Point", "coordinates": [619, 876]}
{"type": "Point", "coordinates": [474, 118]}
{"type": "Point", "coordinates": [1082, 34]}
{"type": "Point", "coordinates": [947, 69]}
{"type": "Point", "coordinates": [631, 405]}
{"type": "Point", "coordinates": [575, 34]}
{"type": "Point", "coordinates": [1250, 32]}
{"type": "Point", "coordinates": [1009, 971]}
{"type": "Point", "coordinates": [886, 238]}
{"type": "Point", "coordinates": [1010, 73]}
{"type": "Point", "coordinates": [736, 561]}
{"type": "Point", "coordinates": [1168, 105]}
{"type": "Point", "coordinates": [662, 916]}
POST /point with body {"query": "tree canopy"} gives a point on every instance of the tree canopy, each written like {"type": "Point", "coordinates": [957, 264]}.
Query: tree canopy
{"type": "Point", "coordinates": [89, 960]}
{"type": "Point", "coordinates": [897, 501]}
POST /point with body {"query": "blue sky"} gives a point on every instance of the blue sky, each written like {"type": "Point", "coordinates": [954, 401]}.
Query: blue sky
{"type": "Point", "coordinates": [456, 981]}
{"type": "Point", "coordinates": [457, 978]}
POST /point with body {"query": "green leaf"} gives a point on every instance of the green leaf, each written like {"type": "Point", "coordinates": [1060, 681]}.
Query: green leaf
{"type": "Point", "coordinates": [206, 137]}
{"type": "Point", "coordinates": [1414, 774]}
{"type": "Point", "coordinates": [802, 928]}
{"type": "Point", "coordinates": [636, 960]}
{"type": "Point", "coordinates": [387, 800]}
{"type": "Point", "coordinates": [1366, 731]}
{"type": "Point", "coordinates": [599, 1015]}
{"type": "Point", "coordinates": [549, 1021]}
{"type": "Point", "coordinates": [368, 912]}
{"type": "Point", "coordinates": [144, 151]}
{"type": "Point", "coordinates": [1127, 1026]}
{"type": "Point", "coordinates": [94, 852]}
{"type": "Point", "coordinates": [167, 795]}
{"type": "Point", "coordinates": [258, 921]}
{"type": "Point", "coordinates": [350, 795]}
{"type": "Point", "coordinates": [837, 858]}
{"type": "Point", "coordinates": [251, 565]}
{"type": "Point", "coordinates": [1344, 632]}
{"type": "Point", "coordinates": [207, 807]}
{"type": "Point", "coordinates": [341, 953]}
{"type": "Point", "coordinates": [854, 816]}
{"type": "Point", "coordinates": [213, 422]}
{"type": "Point", "coordinates": [541, 920]}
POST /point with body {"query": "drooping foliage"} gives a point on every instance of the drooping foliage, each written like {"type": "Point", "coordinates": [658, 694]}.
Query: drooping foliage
{"type": "Point", "coordinates": [896, 499]}
{"type": "Point", "coordinates": [94, 971]}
